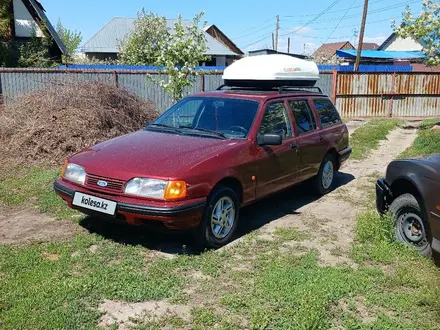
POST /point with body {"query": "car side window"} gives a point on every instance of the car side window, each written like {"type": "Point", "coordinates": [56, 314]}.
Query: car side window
{"type": "Point", "coordinates": [304, 120]}
{"type": "Point", "coordinates": [276, 120]}
{"type": "Point", "coordinates": [327, 112]}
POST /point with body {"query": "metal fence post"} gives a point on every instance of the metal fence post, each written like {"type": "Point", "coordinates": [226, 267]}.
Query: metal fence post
{"type": "Point", "coordinates": [392, 93]}
{"type": "Point", "coordinates": [115, 74]}
{"type": "Point", "coordinates": [334, 85]}
{"type": "Point", "coordinates": [202, 83]}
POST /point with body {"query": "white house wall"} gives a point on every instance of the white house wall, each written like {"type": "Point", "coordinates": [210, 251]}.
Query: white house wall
{"type": "Point", "coordinates": [400, 44]}
{"type": "Point", "coordinates": [24, 23]}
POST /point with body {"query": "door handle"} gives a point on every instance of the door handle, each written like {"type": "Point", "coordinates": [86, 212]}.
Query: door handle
{"type": "Point", "coordinates": [320, 138]}
{"type": "Point", "coordinates": [293, 145]}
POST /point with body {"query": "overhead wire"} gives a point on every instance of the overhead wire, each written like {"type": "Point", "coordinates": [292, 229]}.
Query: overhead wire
{"type": "Point", "coordinates": [334, 3]}
{"type": "Point", "coordinates": [333, 11]}
{"type": "Point", "coordinates": [375, 11]}
{"type": "Point", "coordinates": [340, 21]}
{"type": "Point", "coordinates": [256, 26]}
{"type": "Point", "coordinates": [256, 31]}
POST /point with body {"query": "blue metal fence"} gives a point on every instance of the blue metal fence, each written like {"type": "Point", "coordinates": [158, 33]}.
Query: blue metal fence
{"type": "Point", "coordinates": [367, 68]}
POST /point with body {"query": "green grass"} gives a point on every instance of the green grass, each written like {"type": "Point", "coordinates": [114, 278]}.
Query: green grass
{"type": "Point", "coordinates": [367, 137]}
{"type": "Point", "coordinates": [427, 141]}
{"type": "Point", "coordinates": [294, 292]}
{"type": "Point", "coordinates": [32, 186]}
{"type": "Point", "coordinates": [291, 234]}
{"type": "Point", "coordinates": [60, 285]}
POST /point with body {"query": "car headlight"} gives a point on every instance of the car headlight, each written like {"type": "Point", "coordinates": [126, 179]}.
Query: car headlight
{"type": "Point", "coordinates": [157, 189]}
{"type": "Point", "coordinates": [74, 173]}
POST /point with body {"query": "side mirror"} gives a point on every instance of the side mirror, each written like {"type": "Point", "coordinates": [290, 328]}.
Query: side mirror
{"type": "Point", "coordinates": [269, 140]}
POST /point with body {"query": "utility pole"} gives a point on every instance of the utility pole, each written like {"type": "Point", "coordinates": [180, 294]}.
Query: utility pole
{"type": "Point", "coordinates": [361, 36]}
{"type": "Point", "coordinates": [273, 42]}
{"type": "Point", "coordinates": [276, 32]}
{"type": "Point", "coordinates": [288, 45]}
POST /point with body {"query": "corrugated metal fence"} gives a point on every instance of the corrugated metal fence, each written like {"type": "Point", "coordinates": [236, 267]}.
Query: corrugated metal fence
{"type": "Point", "coordinates": [355, 94]}
{"type": "Point", "coordinates": [388, 95]}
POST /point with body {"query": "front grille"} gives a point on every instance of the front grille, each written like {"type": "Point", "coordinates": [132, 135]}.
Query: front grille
{"type": "Point", "coordinates": [112, 184]}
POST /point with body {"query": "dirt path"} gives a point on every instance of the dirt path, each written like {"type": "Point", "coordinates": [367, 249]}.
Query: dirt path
{"type": "Point", "coordinates": [27, 225]}
{"type": "Point", "coordinates": [353, 125]}
{"type": "Point", "coordinates": [330, 220]}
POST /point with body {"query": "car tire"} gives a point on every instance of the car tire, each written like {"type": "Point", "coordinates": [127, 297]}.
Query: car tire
{"type": "Point", "coordinates": [216, 216]}
{"type": "Point", "coordinates": [410, 227]}
{"type": "Point", "coordinates": [325, 179]}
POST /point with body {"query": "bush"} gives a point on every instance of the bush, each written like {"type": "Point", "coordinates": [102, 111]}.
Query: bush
{"type": "Point", "coordinates": [46, 126]}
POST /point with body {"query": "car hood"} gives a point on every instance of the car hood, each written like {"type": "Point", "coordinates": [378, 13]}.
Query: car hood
{"type": "Point", "coordinates": [429, 163]}
{"type": "Point", "coordinates": [147, 153]}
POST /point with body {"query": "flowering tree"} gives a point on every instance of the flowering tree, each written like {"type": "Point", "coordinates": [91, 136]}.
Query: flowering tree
{"type": "Point", "coordinates": [141, 47]}
{"type": "Point", "coordinates": [425, 27]}
{"type": "Point", "coordinates": [178, 51]}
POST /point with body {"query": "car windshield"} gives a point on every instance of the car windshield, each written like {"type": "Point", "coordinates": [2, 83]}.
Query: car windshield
{"type": "Point", "coordinates": [220, 117]}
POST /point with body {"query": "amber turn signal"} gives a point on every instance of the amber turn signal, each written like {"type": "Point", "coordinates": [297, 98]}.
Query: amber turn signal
{"type": "Point", "coordinates": [64, 168]}
{"type": "Point", "coordinates": [438, 207]}
{"type": "Point", "coordinates": [175, 190]}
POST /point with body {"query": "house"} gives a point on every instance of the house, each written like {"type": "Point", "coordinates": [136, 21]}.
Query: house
{"type": "Point", "coordinates": [105, 43]}
{"type": "Point", "coordinates": [397, 43]}
{"type": "Point", "coordinates": [271, 52]}
{"type": "Point", "coordinates": [326, 53]}
{"type": "Point", "coordinates": [370, 46]}
{"type": "Point", "coordinates": [27, 18]}
{"type": "Point", "coordinates": [218, 35]}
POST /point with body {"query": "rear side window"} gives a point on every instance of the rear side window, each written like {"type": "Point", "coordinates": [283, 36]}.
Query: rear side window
{"type": "Point", "coordinates": [304, 119]}
{"type": "Point", "coordinates": [327, 112]}
{"type": "Point", "coordinates": [276, 120]}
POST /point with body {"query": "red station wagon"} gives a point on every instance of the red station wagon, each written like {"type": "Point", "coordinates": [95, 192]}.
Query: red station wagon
{"type": "Point", "coordinates": [207, 156]}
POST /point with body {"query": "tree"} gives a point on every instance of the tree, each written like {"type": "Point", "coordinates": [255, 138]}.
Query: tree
{"type": "Point", "coordinates": [425, 27]}
{"type": "Point", "coordinates": [141, 47]}
{"type": "Point", "coordinates": [177, 51]}
{"type": "Point", "coordinates": [5, 20]}
{"type": "Point", "coordinates": [180, 54]}
{"type": "Point", "coordinates": [71, 39]}
{"type": "Point", "coordinates": [36, 53]}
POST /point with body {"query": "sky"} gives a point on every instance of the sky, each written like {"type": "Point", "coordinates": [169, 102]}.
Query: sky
{"type": "Point", "coordinates": [248, 23]}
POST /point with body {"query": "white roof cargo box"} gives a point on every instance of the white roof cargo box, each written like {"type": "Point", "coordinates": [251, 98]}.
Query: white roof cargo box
{"type": "Point", "coordinates": [271, 71]}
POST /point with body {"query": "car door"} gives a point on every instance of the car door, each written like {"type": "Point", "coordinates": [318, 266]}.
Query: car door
{"type": "Point", "coordinates": [310, 143]}
{"type": "Point", "coordinates": [277, 165]}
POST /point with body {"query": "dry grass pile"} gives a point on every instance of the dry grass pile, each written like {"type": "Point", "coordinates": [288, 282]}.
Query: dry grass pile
{"type": "Point", "coordinates": [46, 126]}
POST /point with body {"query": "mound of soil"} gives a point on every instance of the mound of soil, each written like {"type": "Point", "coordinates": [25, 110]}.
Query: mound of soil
{"type": "Point", "coordinates": [46, 126]}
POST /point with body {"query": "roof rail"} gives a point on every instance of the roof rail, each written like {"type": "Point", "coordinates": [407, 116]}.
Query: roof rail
{"type": "Point", "coordinates": [286, 89]}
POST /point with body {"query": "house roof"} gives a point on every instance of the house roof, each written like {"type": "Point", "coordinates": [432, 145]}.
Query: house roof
{"type": "Point", "coordinates": [387, 40]}
{"type": "Point", "coordinates": [370, 46]}
{"type": "Point", "coordinates": [331, 48]}
{"type": "Point", "coordinates": [107, 39]}
{"type": "Point", "coordinates": [234, 47]}
{"type": "Point", "coordinates": [381, 54]}
{"type": "Point", "coordinates": [38, 14]}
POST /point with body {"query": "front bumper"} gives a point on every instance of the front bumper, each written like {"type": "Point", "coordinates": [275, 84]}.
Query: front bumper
{"type": "Point", "coordinates": [178, 216]}
{"type": "Point", "coordinates": [383, 196]}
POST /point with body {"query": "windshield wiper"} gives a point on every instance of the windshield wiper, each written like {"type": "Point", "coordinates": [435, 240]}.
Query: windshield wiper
{"type": "Point", "coordinates": [172, 128]}
{"type": "Point", "coordinates": [220, 134]}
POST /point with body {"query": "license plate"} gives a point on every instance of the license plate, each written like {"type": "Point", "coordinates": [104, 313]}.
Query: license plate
{"type": "Point", "coordinates": [94, 203]}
